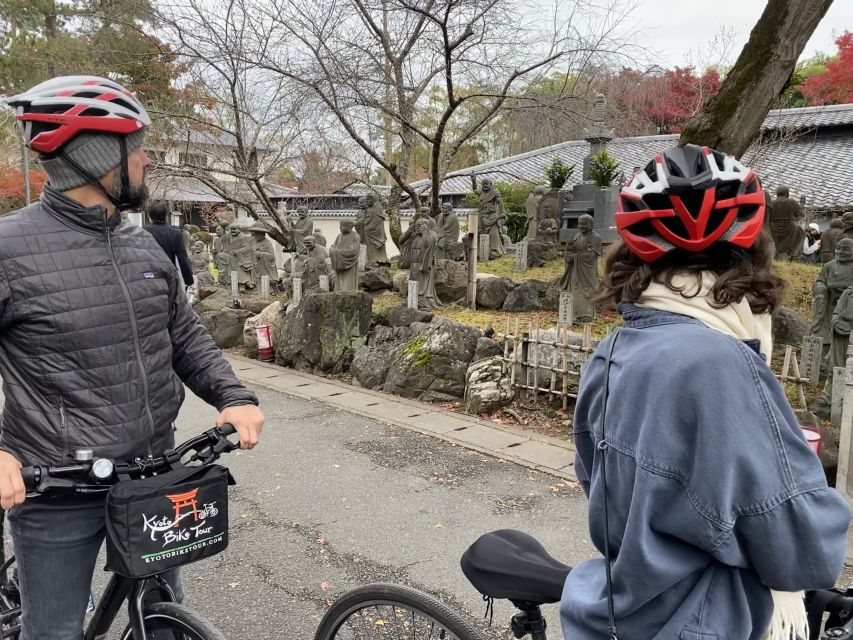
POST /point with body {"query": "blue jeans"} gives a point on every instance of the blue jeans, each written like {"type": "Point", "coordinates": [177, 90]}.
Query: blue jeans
{"type": "Point", "coordinates": [56, 547]}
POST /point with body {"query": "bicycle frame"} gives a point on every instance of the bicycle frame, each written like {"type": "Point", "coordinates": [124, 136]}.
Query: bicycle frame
{"type": "Point", "coordinates": [134, 591]}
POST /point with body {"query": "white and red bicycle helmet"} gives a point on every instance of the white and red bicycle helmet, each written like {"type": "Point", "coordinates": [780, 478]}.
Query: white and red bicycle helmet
{"type": "Point", "coordinates": [690, 198]}
{"type": "Point", "coordinates": [52, 113]}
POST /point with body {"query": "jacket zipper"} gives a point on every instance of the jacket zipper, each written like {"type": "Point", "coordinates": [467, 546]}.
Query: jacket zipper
{"type": "Point", "coordinates": [63, 426]}
{"type": "Point", "coordinates": [135, 331]}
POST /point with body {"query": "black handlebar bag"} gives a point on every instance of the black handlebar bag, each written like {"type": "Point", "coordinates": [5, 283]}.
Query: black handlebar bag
{"type": "Point", "coordinates": [159, 523]}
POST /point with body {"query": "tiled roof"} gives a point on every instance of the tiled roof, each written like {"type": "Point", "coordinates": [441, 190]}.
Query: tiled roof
{"type": "Point", "coordinates": [816, 164]}
{"type": "Point", "coordinates": [186, 189]}
{"type": "Point", "coordinates": [810, 117]}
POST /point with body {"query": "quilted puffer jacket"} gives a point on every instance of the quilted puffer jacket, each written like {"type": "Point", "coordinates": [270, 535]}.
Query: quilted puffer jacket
{"type": "Point", "coordinates": [96, 337]}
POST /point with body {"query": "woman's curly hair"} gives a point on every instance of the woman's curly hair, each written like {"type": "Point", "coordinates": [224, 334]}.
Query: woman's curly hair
{"type": "Point", "coordinates": [740, 273]}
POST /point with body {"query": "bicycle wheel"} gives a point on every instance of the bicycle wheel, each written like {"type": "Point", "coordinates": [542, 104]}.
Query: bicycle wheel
{"type": "Point", "coordinates": [391, 612]}
{"type": "Point", "coordinates": [171, 621]}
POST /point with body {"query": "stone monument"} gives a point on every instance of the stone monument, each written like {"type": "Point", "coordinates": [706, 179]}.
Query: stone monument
{"type": "Point", "coordinates": [581, 275]}
{"type": "Point", "coordinates": [492, 217]}
{"type": "Point", "coordinates": [532, 208]}
{"type": "Point", "coordinates": [264, 253]}
{"type": "Point", "coordinates": [320, 238]}
{"type": "Point", "coordinates": [448, 233]}
{"type": "Point", "coordinates": [187, 237]}
{"type": "Point", "coordinates": [343, 255]}
{"type": "Point", "coordinates": [417, 251]}
{"type": "Point", "coordinates": [222, 253]}
{"type": "Point", "coordinates": [370, 226]}
{"type": "Point", "coordinates": [785, 216]}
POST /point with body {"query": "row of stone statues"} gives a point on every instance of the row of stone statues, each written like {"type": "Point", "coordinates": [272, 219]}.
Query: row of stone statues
{"type": "Point", "coordinates": [249, 256]}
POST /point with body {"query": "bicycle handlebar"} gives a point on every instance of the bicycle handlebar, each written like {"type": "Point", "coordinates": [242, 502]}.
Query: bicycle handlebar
{"type": "Point", "coordinates": [79, 477]}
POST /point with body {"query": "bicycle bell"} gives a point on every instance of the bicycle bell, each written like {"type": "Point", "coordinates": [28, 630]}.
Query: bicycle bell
{"type": "Point", "coordinates": [102, 468]}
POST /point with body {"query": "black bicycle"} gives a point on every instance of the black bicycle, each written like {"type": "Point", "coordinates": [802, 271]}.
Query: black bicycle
{"type": "Point", "coordinates": [509, 565]}
{"type": "Point", "coordinates": [153, 610]}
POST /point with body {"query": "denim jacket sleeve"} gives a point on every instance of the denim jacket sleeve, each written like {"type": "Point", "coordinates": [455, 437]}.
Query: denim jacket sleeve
{"type": "Point", "coordinates": [793, 537]}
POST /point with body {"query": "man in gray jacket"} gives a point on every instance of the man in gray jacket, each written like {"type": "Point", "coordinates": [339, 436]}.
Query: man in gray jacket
{"type": "Point", "coordinates": [96, 337]}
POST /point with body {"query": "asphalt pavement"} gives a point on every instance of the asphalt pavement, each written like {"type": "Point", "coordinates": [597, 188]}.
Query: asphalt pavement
{"type": "Point", "coordinates": [330, 500]}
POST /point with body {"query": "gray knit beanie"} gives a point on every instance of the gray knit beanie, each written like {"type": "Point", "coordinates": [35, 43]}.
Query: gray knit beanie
{"type": "Point", "coordinates": [97, 153]}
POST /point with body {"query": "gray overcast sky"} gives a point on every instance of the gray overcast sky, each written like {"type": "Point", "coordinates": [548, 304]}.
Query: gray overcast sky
{"type": "Point", "coordinates": [674, 27]}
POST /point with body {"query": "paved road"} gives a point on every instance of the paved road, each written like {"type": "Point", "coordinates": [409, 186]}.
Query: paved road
{"type": "Point", "coordinates": [331, 500]}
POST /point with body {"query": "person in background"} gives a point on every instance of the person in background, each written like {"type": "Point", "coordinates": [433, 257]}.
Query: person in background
{"type": "Point", "coordinates": [811, 244]}
{"type": "Point", "coordinates": [171, 240]}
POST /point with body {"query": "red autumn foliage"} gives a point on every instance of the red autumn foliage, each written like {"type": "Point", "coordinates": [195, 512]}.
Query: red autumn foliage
{"type": "Point", "coordinates": [836, 85]}
{"type": "Point", "coordinates": [12, 193]}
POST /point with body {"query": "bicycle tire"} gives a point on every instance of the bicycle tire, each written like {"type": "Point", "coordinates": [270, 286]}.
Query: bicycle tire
{"type": "Point", "coordinates": [170, 616]}
{"type": "Point", "coordinates": [406, 598]}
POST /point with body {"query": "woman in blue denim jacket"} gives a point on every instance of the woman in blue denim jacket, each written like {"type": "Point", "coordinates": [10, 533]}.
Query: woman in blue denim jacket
{"type": "Point", "coordinates": [718, 511]}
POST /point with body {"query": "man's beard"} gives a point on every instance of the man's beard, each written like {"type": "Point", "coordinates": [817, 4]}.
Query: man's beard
{"type": "Point", "coordinates": [137, 195]}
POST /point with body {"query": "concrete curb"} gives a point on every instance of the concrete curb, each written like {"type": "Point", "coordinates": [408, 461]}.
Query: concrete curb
{"type": "Point", "coordinates": [535, 451]}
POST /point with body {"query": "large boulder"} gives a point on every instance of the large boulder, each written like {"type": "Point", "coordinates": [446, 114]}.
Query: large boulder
{"type": "Point", "coordinates": [551, 299]}
{"type": "Point", "coordinates": [544, 350]}
{"type": "Point", "coordinates": [205, 291]}
{"type": "Point", "coordinates": [272, 316]}
{"type": "Point", "coordinates": [403, 316]}
{"type": "Point", "coordinates": [216, 301]}
{"type": "Point", "coordinates": [789, 327]}
{"type": "Point", "coordinates": [226, 326]}
{"type": "Point", "coordinates": [492, 292]}
{"type": "Point", "coordinates": [487, 386]}
{"type": "Point", "coordinates": [376, 279]}
{"type": "Point", "coordinates": [371, 362]}
{"type": "Point", "coordinates": [527, 296]}
{"type": "Point", "coordinates": [487, 348]}
{"type": "Point", "coordinates": [451, 280]}
{"type": "Point", "coordinates": [253, 304]}
{"type": "Point", "coordinates": [324, 331]}
{"type": "Point", "coordinates": [432, 364]}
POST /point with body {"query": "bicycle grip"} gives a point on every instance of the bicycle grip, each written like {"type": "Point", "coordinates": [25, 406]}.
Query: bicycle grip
{"type": "Point", "coordinates": [29, 476]}
{"type": "Point", "coordinates": [228, 429]}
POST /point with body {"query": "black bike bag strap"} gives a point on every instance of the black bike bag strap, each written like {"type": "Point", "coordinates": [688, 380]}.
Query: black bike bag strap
{"type": "Point", "coordinates": [159, 523]}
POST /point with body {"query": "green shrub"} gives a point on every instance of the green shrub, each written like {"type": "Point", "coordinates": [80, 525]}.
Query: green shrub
{"type": "Point", "coordinates": [558, 172]}
{"type": "Point", "coordinates": [603, 169]}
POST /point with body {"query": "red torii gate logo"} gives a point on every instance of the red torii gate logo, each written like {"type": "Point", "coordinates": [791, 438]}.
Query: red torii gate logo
{"type": "Point", "coordinates": [183, 501]}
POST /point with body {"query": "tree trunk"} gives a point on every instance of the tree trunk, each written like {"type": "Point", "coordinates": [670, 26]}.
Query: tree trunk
{"type": "Point", "coordinates": [733, 117]}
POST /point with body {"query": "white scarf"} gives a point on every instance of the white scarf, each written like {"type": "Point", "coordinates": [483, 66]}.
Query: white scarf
{"type": "Point", "coordinates": [737, 320]}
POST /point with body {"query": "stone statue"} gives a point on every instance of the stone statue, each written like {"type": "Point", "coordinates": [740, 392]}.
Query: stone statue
{"type": "Point", "coordinates": [222, 252]}
{"type": "Point", "coordinates": [320, 238]}
{"type": "Point", "coordinates": [200, 264]}
{"type": "Point", "coordinates": [313, 262]}
{"type": "Point", "coordinates": [491, 218]}
{"type": "Point", "coordinates": [447, 224]}
{"type": "Point", "coordinates": [847, 225]}
{"type": "Point", "coordinates": [417, 252]}
{"type": "Point", "coordinates": [581, 275]}
{"type": "Point", "coordinates": [303, 227]}
{"type": "Point", "coordinates": [370, 226]}
{"type": "Point", "coordinates": [187, 237]}
{"type": "Point", "coordinates": [532, 206]}
{"type": "Point", "coordinates": [343, 255]}
{"type": "Point", "coordinates": [829, 240]}
{"type": "Point", "coordinates": [242, 258]}
{"type": "Point", "coordinates": [835, 320]}
{"type": "Point", "coordinates": [264, 254]}
{"type": "Point", "coordinates": [835, 276]}
{"type": "Point", "coordinates": [785, 215]}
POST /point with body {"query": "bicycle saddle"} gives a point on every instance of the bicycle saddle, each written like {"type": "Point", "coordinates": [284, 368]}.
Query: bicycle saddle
{"type": "Point", "coordinates": [512, 565]}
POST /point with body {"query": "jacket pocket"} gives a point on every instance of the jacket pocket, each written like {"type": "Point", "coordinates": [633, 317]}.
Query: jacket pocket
{"type": "Point", "coordinates": [63, 426]}
{"type": "Point", "coordinates": [695, 635]}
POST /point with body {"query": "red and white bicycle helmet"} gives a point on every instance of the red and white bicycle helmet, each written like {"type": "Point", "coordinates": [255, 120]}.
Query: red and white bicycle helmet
{"type": "Point", "coordinates": [52, 113]}
{"type": "Point", "coordinates": [690, 198]}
